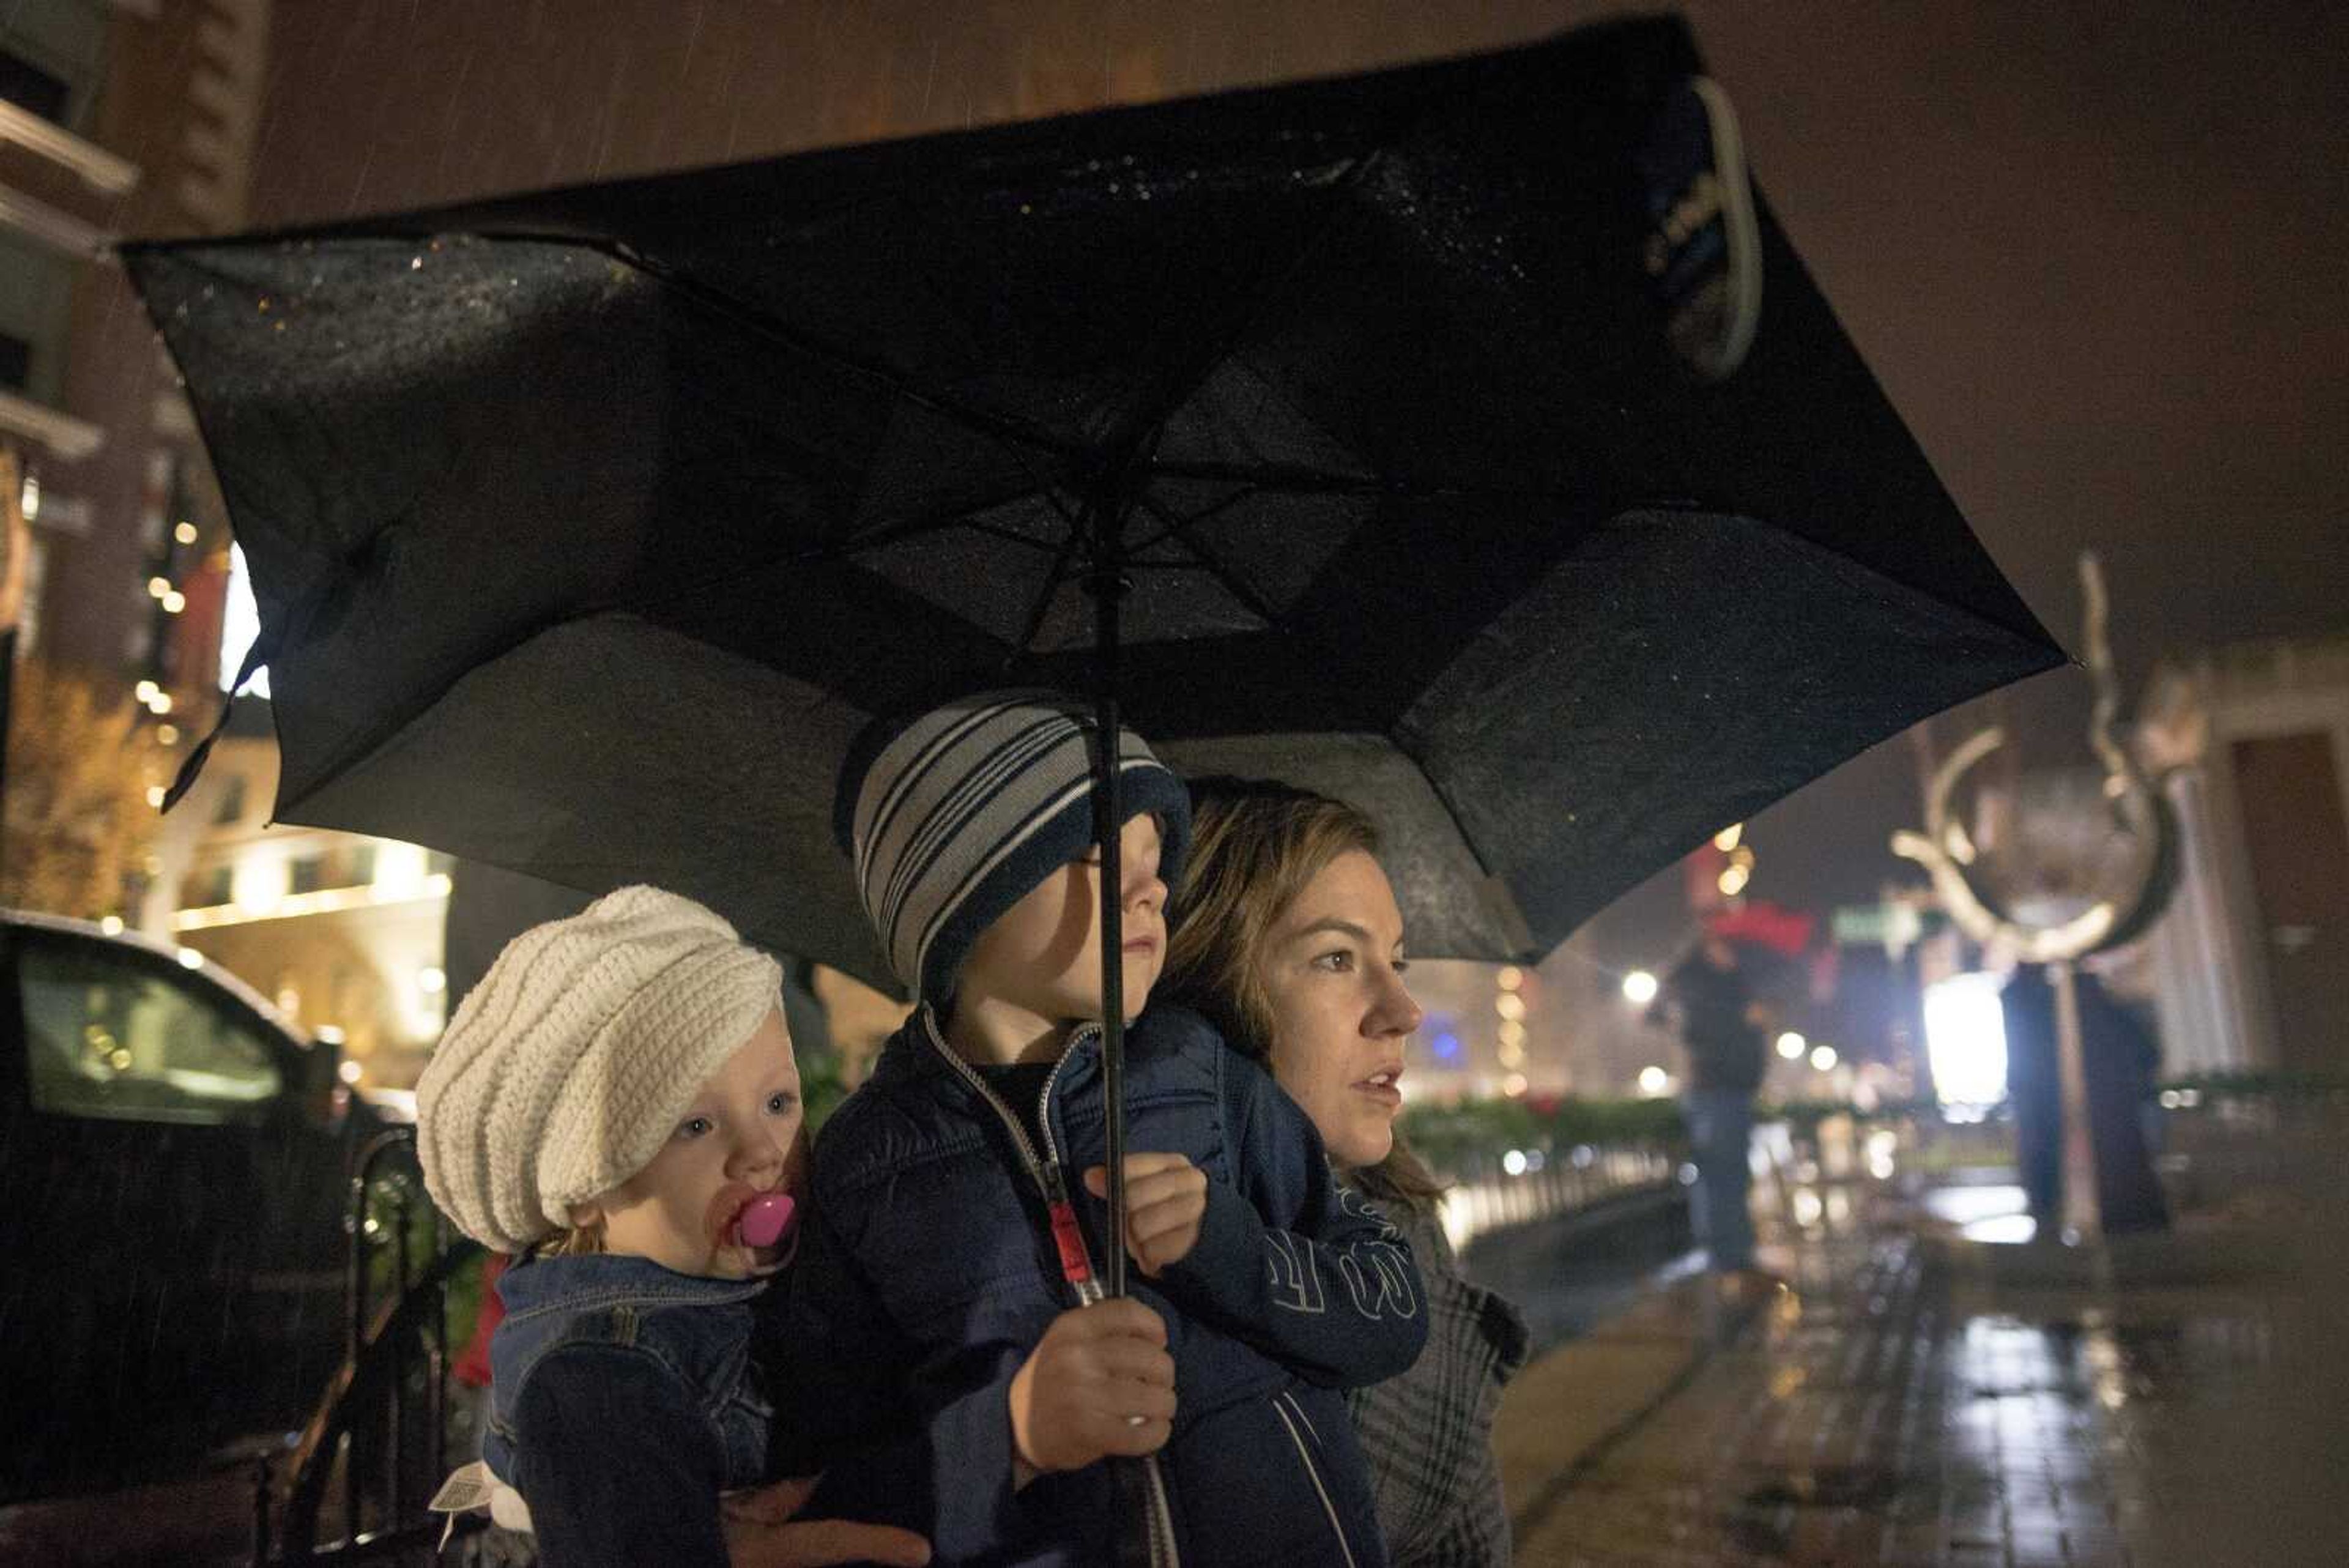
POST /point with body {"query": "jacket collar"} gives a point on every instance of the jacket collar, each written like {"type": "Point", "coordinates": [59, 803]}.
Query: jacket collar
{"type": "Point", "coordinates": [918, 1050]}
{"type": "Point", "coordinates": [605, 1278]}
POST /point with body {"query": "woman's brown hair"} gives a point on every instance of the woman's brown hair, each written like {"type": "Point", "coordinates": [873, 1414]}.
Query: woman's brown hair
{"type": "Point", "coordinates": [1255, 844]}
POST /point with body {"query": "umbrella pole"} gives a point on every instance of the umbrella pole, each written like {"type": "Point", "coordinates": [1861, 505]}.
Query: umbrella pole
{"type": "Point", "coordinates": [1134, 1539]}
{"type": "Point", "coordinates": [1107, 586]}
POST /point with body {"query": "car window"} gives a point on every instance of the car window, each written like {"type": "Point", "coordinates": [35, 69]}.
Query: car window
{"type": "Point", "coordinates": [112, 1036]}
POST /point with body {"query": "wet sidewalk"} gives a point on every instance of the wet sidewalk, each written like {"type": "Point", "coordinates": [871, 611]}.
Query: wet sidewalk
{"type": "Point", "coordinates": [1911, 1403]}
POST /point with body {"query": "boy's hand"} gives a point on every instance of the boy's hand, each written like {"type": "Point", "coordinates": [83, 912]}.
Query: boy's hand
{"type": "Point", "coordinates": [1165, 1200]}
{"type": "Point", "coordinates": [758, 1534]}
{"type": "Point", "coordinates": [1099, 1382]}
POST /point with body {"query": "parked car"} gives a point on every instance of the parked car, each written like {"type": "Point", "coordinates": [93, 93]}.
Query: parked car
{"type": "Point", "coordinates": [173, 1177]}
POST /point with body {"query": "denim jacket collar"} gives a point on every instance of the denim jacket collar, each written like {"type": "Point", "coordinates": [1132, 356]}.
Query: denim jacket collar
{"type": "Point", "coordinates": [604, 1279]}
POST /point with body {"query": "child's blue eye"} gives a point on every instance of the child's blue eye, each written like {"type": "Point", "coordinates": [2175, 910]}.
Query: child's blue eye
{"type": "Point", "coordinates": [694, 1126]}
{"type": "Point", "coordinates": [781, 1102]}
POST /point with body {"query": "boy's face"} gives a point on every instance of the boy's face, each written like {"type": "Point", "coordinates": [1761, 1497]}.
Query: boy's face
{"type": "Point", "coordinates": [1042, 958]}
{"type": "Point", "coordinates": [742, 1136]}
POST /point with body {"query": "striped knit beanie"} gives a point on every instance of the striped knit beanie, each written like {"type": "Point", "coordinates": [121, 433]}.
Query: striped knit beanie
{"type": "Point", "coordinates": [570, 1065]}
{"type": "Point", "coordinates": [964, 811]}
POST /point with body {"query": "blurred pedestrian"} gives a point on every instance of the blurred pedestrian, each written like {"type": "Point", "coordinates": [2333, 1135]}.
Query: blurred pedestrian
{"type": "Point", "coordinates": [2119, 1060]}
{"type": "Point", "coordinates": [1721, 1025]}
{"type": "Point", "coordinates": [2034, 1093]}
{"type": "Point", "coordinates": [1287, 936]}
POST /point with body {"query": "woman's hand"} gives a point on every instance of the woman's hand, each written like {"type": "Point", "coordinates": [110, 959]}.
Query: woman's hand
{"type": "Point", "coordinates": [1099, 1382]}
{"type": "Point", "coordinates": [1165, 1200]}
{"type": "Point", "coordinates": [760, 1534]}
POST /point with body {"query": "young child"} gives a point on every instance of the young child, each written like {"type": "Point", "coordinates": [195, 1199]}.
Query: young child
{"type": "Point", "coordinates": [616, 1102]}
{"type": "Point", "coordinates": [956, 1217]}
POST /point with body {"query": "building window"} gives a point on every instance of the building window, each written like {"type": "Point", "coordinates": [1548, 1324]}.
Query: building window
{"type": "Point", "coordinates": [306, 873]}
{"type": "Point", "coordinates": [28, 87]}
{"type": "Point", "coordinates": [231, 801]}
{"type": "Point", "coordinates": [208, 889]}
{"type": "Point", "coordinates": [16, 362]}
{"type": "Point", "coordinates": [359, 863]}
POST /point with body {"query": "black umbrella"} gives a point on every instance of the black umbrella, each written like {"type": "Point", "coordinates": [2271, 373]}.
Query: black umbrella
{"type": "Point", "coordinates": [589, 527]}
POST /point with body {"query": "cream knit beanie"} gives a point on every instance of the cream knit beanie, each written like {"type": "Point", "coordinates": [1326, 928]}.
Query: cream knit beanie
{"type": "Point", "coordinates": [569, 1066]}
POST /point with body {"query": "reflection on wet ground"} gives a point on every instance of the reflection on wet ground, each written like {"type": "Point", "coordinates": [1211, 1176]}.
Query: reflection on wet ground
{"type": "Point", "coordinates": [1569, 1274]}
{"type": "Point", "coordinates": [1895, 1411]}
{"type": "Point", "coordinates": [1996, 1212]}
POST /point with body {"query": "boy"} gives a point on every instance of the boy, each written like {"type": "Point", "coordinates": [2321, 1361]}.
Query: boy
{"type": "Point", "coordinates": [951, 1234]}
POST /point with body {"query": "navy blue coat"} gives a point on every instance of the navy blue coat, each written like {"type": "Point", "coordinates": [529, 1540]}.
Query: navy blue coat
{"type": "Point", "coordinates": [928, 1271]}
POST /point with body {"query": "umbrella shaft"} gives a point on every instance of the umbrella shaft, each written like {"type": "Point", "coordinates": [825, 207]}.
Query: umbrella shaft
{"type": "Point", "coordinates": [1109, 822]}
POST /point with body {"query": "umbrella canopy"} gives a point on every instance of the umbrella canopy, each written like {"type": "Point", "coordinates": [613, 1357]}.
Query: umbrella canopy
{"type": "Point", "coordinates": [590, 527]}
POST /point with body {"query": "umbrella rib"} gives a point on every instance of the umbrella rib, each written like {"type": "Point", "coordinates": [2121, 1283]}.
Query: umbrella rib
{"type": "Point", "coordinates": [887, 534]}
{"type": "Point", "coordinates": [1005, 431]}
{"type": "Point", "coordinates": [1043, 605]}
{"type": "Point", "coordinates": [1207, 563]}
{"type": "Point", "coordinates": [1178, 526]}
{"type": "Point", "coordinates": [1314, 482]}
{"type": "Point", "coordinates": [1011, 438]}
{"type": "Point", "coordinates": [1189, 378]}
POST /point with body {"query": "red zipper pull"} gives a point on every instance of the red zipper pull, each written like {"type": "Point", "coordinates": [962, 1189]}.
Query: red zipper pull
{"type": "Point", "coordinates": [1074, 1266]}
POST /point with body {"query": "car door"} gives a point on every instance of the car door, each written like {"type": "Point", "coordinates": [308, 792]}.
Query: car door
{"type": "Point", "coordinates": [172, 1219]}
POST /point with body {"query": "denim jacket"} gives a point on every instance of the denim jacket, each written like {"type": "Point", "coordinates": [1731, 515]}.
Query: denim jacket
{"type": "Point", "coordinates": [930, 1267]}
{"type": "Point", "coordinates": [623, 1401]}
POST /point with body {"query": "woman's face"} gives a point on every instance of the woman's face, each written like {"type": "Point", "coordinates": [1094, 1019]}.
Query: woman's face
{"type": "Point", "coordinates": [1333, 973]}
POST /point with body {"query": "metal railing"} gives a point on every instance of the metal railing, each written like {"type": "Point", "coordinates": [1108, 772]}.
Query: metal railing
{"type": "Point", "coordinates": [1541, 1185]}
{"type": "Point", "coordinates": [367, 1462]}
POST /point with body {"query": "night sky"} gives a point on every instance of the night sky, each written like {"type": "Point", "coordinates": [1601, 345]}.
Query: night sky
{"type": "Point", "coordinates": [2096, 253]}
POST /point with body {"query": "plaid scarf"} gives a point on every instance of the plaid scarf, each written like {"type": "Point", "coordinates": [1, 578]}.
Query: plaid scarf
{"type": "Point", "coordinates": [1427, 1434]}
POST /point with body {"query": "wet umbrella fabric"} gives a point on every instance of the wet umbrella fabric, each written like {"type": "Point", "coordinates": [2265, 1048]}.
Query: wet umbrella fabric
{"type": "Point", "coordinates": [590, 527]}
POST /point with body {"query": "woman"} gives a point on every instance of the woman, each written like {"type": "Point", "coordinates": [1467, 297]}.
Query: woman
{"type": "Point", "coordinates": [1287, 936]}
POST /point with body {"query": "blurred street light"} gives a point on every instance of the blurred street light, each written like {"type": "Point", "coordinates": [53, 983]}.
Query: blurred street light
{"type": "Point", "coordinates": [1823, 1058]}
{"type": "Point", "coordinates": [1965, 1039]}
{"type": "Point", "coordinates": [1791, 1045]}
{"type": "Point", "coordinates": [1639, 986]}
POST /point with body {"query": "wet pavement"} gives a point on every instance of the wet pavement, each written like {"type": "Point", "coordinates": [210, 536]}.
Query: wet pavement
{"type": "Point", "coordinates": [1910, 1404]}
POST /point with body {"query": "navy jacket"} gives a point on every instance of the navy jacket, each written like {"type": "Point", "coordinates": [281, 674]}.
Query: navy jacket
{"type": "Point", "coordinates": [622, 1400]}
{"type": "Point", "coordinates": [929, 1270]}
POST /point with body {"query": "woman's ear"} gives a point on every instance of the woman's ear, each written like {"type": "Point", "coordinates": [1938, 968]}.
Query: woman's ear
{"type": "Point", "coordinates": [586, 1216]}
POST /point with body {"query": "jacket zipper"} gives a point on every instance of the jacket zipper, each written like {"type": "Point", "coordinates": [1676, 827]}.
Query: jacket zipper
{"type": "Point", "coordinates": [1313, 1472]}
{"type": "Point", "coordinates": [1069, 1237]}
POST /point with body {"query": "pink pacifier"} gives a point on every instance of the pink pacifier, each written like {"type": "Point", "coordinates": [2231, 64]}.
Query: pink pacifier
{"type": "Point", "coordinates": [765, 1219]}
